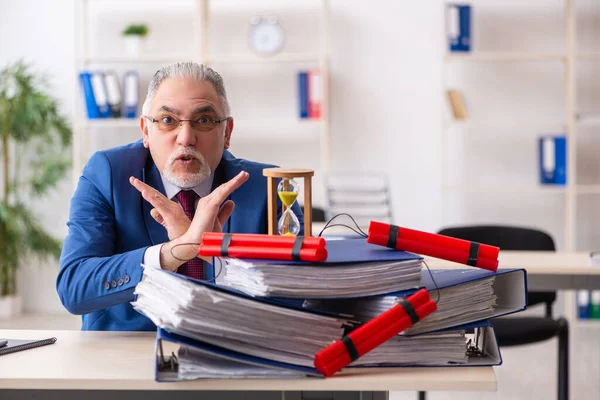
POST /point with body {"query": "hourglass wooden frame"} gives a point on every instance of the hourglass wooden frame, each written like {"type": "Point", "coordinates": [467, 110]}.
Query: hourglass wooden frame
{"type": "Point", "coordinates": [272, 175]}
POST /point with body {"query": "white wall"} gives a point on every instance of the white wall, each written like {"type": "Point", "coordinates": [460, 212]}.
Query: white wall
{"type": "Point", "coordinates": [385, 94]}
{"type": "Point", "coordinates": [386, 87]}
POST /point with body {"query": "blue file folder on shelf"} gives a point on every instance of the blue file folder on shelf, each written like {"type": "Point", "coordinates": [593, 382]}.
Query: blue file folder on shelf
{"type": "Point", "coordinates": [303, 94]}
{"type": "Point", "coordinates": [131, 94]}
{"type": "Point", "coordinates": [553, 160]}
{"type": "Point", "coordinates": [94, 92]}
{"type": "Point", "coordinates": [458, 25]}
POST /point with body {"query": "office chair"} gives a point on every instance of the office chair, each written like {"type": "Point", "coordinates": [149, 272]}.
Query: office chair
{"type": "Point", "coordinates": [513, 331]}
{"type": "Point", "coordinates": [364, 195]}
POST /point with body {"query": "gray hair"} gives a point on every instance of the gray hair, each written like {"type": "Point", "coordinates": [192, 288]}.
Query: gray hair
{"type": "Point", "coordinates": [188, 69]}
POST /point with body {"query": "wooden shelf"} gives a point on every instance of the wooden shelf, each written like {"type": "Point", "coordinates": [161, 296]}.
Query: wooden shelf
{"type": "Point", "coordinates": [143, 59]}
{"type": "Point", "coordinates": [504, 57]}
{"type": "Point", "coordinates": [521, 125]}
{"type": "Point", "coordinates": [290, 129]}
{"type": "Point", "coordinates": [593, 120]}
{"type": "Point", "coordinates": [252, 58]}
{"type": "Point", "coordinates": [108, 123]}
{"type": "Point", "coordinates": [587, 189]}
{"type": "Point", "coordinates": [517, 189]}
{"type": "Point", "coordinates": [593, 56]}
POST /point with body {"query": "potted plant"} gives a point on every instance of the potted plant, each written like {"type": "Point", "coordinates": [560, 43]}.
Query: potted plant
{"type": "Point", "coordinates": [34, 156]}
{"type": "Point", "coordinates": [135, 36]}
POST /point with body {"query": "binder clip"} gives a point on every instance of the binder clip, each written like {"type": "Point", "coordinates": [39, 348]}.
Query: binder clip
{"type": "Point", "coordinates": [434, 245]}
{"type": "Point", "coordinates": [475, 346]}
{"type": "Point", "coordinates": [377, 331]}
{"type": "Point", "coordinates": [169, 364]}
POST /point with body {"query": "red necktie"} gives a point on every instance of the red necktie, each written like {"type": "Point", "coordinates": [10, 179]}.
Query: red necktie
{"type": "Point", "coordinates": [193, 267]}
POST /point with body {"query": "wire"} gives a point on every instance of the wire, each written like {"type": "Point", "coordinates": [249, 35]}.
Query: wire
{"type": "Point", "coordinates": [182, 244]}
{"type": "Point", "coordinates": [357, 230]}
{"type": "Point", "coordinates": [437, 289]}
{"type": "Point", "coordinates": [197, 244]}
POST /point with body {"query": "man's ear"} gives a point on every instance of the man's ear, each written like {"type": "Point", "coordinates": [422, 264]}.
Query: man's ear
{"type": "Point", "coordinates": [228, 130]}
{"type": "Point", "coordinates": [144, 128]}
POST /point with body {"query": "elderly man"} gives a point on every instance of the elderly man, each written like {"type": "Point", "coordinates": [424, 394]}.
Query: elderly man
{"type": "Point", "coordinates": [149, 202]}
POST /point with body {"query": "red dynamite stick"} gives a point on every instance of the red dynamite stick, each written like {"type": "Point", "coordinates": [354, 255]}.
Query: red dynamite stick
{"type": "Point", "coordinates": [439, 252]}
{"type": "Point", "coordinates": [372, 334]}
{"type": "Point", "coordinates": [434, 245]}
{"type": "Point", "coordinates": [360, 335]}
{"type": "Point", "coordinates": [276, 253]}
{"type": "Point", "coordinates": [258, 240]}
{"type": "Point", "coordinates": [339, 362]}
{"type": "Point", "coordinates": [382, 229]}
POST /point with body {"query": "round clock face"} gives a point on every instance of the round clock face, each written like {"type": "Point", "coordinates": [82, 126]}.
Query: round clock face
{"type": "Point", "coordinates": [266, 37]}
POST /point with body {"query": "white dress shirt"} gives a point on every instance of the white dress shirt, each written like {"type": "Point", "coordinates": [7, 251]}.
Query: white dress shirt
{"type": "Point", "coordinates": [152, 253]}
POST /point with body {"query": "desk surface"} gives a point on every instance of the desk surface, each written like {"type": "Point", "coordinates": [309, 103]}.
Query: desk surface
{"type": "Point", "coordinates": [125, 360]}
{"type": "Point", "coordinates": [536, 262]}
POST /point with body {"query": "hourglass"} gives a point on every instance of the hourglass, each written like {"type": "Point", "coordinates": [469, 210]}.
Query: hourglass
{"type": "Point", "coordinates": [288, 224]}
{"type": "Point", "coordinates": [287, 191]}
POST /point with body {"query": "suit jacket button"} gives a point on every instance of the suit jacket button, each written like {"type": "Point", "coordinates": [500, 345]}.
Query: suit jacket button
{"type": "Point", "coordinates": [126, 279]}
{"type": "Point", "coordinates": [113, 284]}
{"type": "Point", "coordinates": [106, 285]}
{"type": "Point", "coordinates": [120, 282]}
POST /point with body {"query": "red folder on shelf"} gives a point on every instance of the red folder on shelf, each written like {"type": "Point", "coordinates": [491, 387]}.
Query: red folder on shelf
{"type": "Point", "coordinates": [434, 245]}
{"type": "Point", "coordinates": [374, 333]}
{"type": "Point", "coordinates": [257, 246]}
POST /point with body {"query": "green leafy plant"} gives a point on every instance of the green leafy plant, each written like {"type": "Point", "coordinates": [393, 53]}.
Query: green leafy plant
{"type": "Point", "coordinates": [34, 148]}
{"type": "Point", "coordinates": [136, 30]}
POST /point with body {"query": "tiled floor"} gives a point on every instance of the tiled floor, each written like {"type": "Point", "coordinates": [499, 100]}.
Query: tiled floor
{"type": "Point", "coordinates": [528, 372]}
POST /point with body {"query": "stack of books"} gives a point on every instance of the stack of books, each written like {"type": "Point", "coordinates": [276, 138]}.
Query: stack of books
{"type": "Point", "coordinates": [268, 318]}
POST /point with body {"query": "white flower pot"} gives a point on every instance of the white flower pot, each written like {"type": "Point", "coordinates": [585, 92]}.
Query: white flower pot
{"type": "Point", "coordinates": [11, 306]}
{"type": "Point", "coordinates": [135, 45]}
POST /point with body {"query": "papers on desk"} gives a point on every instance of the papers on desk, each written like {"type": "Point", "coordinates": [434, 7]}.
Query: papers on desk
{"type": "Point", "coordinates": [222, 332]}
{"type": "Point", "coordinates": [442, 348]}
{"type": "Point", "coordinates": [197, 364]}
{"type": "Point", "coordinates": [331, 281]}
{"type": "Point", "coordinates": [354, 268]}
{"type": "Point", "coordinates": [233, 320]}
{"type": "Point", "coordinates": [465, 296]}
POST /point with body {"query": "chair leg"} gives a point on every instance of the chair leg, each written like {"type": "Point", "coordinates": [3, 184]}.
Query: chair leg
{"type": "Point", "coordinates": [563, 360]}
{"type": "Point", "coordinates": [422, 395]}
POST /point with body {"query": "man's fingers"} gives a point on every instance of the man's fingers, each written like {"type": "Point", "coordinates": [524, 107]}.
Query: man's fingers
{"type": "Point", "coordinates": [151, 195]}
{"type": "Point", "coordinates": [156, 215]}
{"type": "Point", "coordinates": [221, 193]}
{"type": "Point", "coordinates": [225, 212]}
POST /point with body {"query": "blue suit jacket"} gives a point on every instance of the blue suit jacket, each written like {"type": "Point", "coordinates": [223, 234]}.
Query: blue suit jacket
{"type": "Point", "coordinates": [110, 228]}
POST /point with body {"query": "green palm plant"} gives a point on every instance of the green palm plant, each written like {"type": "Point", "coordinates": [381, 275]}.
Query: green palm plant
{"type": "Point", "coordinates": [35, 135]}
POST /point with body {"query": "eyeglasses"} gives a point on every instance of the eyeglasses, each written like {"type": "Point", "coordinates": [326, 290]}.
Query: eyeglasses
{"type": "Point", "coordinates": [167, 123]}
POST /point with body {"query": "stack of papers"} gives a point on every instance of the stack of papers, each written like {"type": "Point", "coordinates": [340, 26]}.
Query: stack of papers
{"type": "Point", "coordinates": [325, 282]}
{"type": "Point", "coordinates": [457, 305]}
{"type": "Point", "coordinates": [354, 268]}
{"type": "Point", "coordinates": [197, 364]}
{"type": "Point", "coordinates": [234, 321]}
{"type": "Point", "coordinates": [442, 348]}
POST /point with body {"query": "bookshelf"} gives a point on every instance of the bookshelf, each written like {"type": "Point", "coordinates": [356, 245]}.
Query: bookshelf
{"type": "Point", "coordinates": [538, 90]}
{"type": "Point", "coordinates": [262, 91]}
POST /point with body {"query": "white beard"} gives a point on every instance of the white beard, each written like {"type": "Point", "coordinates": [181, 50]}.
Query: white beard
{"type": "Point", "coordinates": [187, 180]}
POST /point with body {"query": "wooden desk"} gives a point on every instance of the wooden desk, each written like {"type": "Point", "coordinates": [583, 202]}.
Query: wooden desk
{"type": "Point", "coordinates": [546, 270]}
{"type": "Point", "coordinates": [125, 361]}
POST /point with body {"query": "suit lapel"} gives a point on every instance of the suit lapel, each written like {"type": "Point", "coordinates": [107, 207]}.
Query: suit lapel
{"type": "Point", "coordinates": [228, 168]}
{"type": "Point", "coordinates": [151, 176]}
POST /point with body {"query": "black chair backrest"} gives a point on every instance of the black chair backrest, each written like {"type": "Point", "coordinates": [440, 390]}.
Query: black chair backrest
{"type": "Point", "coordinates": [510, 238]}
{"type": "Point", "coordinates": [318, 214]}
